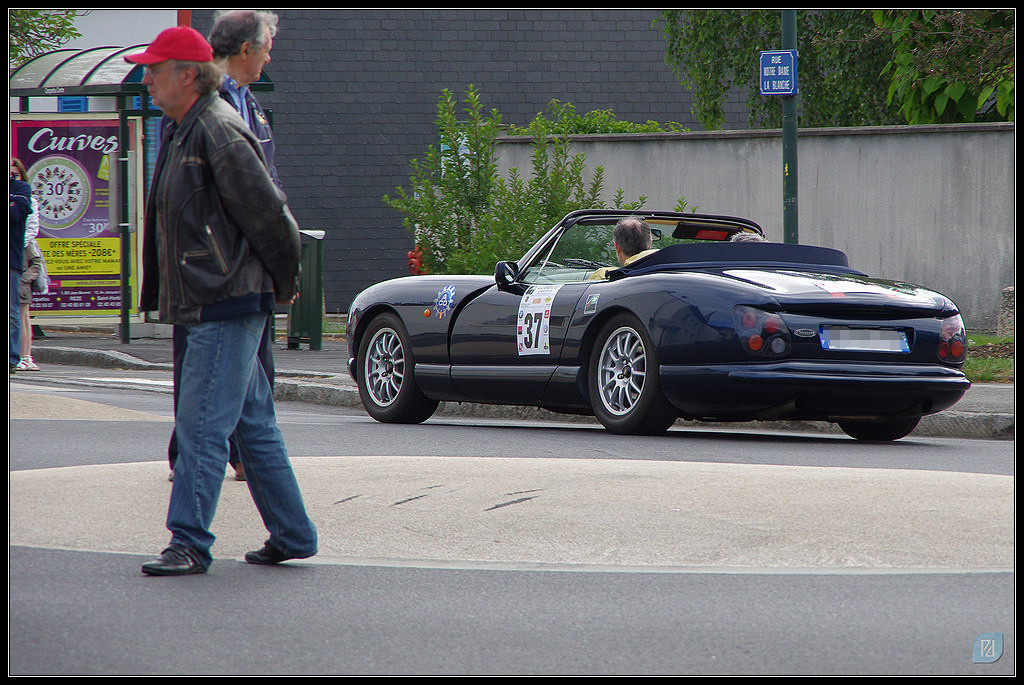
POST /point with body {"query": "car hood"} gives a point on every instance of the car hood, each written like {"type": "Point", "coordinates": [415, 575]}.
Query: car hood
{"type": "Point", "coordinates": [839, 289]}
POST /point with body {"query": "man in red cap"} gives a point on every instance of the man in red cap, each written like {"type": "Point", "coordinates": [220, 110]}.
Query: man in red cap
{"type": "Point", "coordinates": [220, 248]}
{"type": "Point", "coordinates": [181, 44]}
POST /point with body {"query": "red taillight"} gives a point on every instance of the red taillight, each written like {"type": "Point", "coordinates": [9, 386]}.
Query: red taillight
{"type": "Point", "coordinates": [953, 340]}
{"type": "Point", "coordinates": [760, 332]}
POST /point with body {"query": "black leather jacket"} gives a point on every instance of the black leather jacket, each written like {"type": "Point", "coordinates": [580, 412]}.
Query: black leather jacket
{"type": "Point", "coordinates": [218, 230]}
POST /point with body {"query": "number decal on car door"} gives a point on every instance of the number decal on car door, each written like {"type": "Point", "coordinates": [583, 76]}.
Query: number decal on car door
{"type": "Point", "coordinates": [532, 323]}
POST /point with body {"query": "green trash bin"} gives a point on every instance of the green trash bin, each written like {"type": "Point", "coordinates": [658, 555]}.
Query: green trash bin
{"type": "Point", "coordinates": [305, 316]}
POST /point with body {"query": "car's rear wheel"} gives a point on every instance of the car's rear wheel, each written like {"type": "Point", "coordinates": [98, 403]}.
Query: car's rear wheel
{"type": "Point", "coordinates": [625, 391]}
{"type": "Point", "coordinates": [879, 431]}
{"type": "Point", "coordinates": [384, 374]}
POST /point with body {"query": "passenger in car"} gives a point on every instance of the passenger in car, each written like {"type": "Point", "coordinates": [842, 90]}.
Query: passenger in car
{"type": "Point", "coordinates": [744, 237]}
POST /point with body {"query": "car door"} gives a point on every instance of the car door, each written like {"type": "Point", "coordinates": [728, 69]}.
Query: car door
{"type": "Point", "coordinates": [506, 343]}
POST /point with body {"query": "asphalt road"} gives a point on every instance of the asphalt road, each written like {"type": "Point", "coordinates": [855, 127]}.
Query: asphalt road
{"type": "Point", "coordinates": [472, 546]}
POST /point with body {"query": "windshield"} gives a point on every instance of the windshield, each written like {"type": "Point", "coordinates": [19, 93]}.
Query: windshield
{"type": "Point", "coordinates": [581, 250]}
{"type": "Point", "coordinates": [574, 255]}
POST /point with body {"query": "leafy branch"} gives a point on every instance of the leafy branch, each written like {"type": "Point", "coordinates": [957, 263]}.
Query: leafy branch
{"type": "Point", "coordinates": [33, 32]}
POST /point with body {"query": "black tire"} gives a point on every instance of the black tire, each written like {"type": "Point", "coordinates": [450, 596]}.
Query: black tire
{"type": "Point", "coordinates": [623, 380]}
{"type": "Point", "coordinates": [879, 431]}
{"type": "Point", "coordinates": [384, 374]}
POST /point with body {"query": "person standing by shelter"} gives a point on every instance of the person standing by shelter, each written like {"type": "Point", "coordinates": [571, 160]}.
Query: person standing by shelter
{"type": "Point", "coordinates": [20, 209]}
{"type": "Point", "coordinates": [32, 277]}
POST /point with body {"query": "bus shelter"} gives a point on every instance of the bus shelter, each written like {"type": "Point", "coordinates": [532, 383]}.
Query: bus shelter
{"type": "Point", "coordinates": [87, 133]}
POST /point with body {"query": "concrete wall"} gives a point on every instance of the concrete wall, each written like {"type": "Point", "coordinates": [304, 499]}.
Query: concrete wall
{"type": "Point", "coordinates": [929, 205]}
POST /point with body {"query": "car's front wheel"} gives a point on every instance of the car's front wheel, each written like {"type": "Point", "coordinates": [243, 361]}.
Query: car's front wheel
{"type": "Point", "coordinates": [625, 392]}
{"type": "Point", "coordinates": [384, 374]}
{"type": "Point", "coordinates": [879, 431]}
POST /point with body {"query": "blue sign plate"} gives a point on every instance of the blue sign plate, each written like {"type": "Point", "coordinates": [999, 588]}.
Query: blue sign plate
{"type": "Point", "coordinates": [777, 72]}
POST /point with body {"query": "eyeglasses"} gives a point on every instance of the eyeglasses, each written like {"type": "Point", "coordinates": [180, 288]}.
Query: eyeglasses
{"type": "Point", "coordinates": [152, 71]}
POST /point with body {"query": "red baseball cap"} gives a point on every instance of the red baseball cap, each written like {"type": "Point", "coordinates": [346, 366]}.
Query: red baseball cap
{"type": "Point", "coordinates": [182, 43]}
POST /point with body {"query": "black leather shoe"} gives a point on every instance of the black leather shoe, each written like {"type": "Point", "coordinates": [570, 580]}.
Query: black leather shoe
{"type": "Point", "coordinates": [173, 561]}
{"type": "Point", "coordinates": [267, 555]}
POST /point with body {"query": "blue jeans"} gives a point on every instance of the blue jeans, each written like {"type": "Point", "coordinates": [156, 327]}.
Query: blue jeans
{"type": "Point", "coordinates": [223, 390]}
{"type": "Point", "coordinates": [15, 321]}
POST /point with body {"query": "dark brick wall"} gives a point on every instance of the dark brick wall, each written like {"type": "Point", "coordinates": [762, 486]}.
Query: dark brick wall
{"type": "Point", "coordinates": [356, 93]}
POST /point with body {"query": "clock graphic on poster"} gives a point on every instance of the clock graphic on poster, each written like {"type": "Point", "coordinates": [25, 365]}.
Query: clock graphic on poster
{"type": "Point", "coordinates": [62, 190]}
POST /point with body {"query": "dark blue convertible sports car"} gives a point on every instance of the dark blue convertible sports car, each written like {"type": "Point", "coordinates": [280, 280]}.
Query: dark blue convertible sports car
{"type": "Point", "coordinates": [704, 328]}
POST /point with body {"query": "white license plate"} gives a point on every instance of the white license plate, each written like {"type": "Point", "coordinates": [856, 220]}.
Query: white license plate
{"type": "Point", "coordinates": [864, 339]}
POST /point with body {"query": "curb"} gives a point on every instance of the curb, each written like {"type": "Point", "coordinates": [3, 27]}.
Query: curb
{"type": "Point", "coordinates": [303, 386]}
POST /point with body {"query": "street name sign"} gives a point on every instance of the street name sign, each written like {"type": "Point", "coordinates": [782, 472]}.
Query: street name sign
{"type": "Point", "coordinates": [777, 72]}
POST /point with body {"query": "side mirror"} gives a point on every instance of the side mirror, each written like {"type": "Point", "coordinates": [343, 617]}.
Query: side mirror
{"type": "Point", "coordinates": [505, 274]}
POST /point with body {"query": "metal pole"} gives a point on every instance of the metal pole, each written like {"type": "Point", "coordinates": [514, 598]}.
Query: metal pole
{"type": "Point", "coordinates": [790, 215]}
{"type": "Point", "coordinates": [122, 215]}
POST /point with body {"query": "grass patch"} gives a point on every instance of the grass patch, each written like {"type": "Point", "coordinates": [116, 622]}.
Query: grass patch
{"type": "Point", "coordinates": [990, 359]}
{"type": "Point", "coordinates": [989, 370]}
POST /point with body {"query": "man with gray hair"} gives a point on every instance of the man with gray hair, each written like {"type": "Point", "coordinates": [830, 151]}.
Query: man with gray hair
{"type": "Point", "coordinates": [241, 41]}
{"type": "Point", "coordinates": [632, 239]}
{"type": "Point", "coordinates": [744, 237]}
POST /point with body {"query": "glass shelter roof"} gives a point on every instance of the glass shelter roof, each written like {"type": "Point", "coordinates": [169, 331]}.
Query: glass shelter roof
{"type": "Point", "coordinates": [93, 71]}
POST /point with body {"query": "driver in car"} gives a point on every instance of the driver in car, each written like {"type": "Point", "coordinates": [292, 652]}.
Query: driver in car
{"type": "Point", "coordinates": [632, 239]}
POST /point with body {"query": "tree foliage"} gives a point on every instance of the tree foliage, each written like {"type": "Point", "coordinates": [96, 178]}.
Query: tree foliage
{"type": "Point", "coordinates": [950, 65]}
{"type": "Point", "coordinates": [715, 51]}
{"type": "Point", "coordinates": [465, 216]}
{"type": "Point", "coordinates": [855, 67]}
{"type": "Point", "coordinates": [33, 32]}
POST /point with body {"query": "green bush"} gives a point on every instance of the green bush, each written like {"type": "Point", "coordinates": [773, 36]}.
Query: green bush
{"type": "Point", "coordinates": [561, 118]}
{"type": "Point", "coordinates": [465, 217]}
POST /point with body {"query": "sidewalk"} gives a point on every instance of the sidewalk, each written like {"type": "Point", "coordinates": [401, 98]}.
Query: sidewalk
{"type": "Point", "coordinates": [321, 377]}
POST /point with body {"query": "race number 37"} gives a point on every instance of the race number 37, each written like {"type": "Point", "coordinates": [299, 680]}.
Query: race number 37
{"type": "Point", "coordinates": [532, 322]}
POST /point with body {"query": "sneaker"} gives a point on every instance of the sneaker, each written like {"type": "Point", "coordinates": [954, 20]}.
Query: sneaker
{"type": "Point", "coordinates": [26, 364]}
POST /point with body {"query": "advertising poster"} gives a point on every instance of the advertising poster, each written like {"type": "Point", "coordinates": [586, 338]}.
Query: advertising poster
{"type": "Point", "coordinates": [69, 159]}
